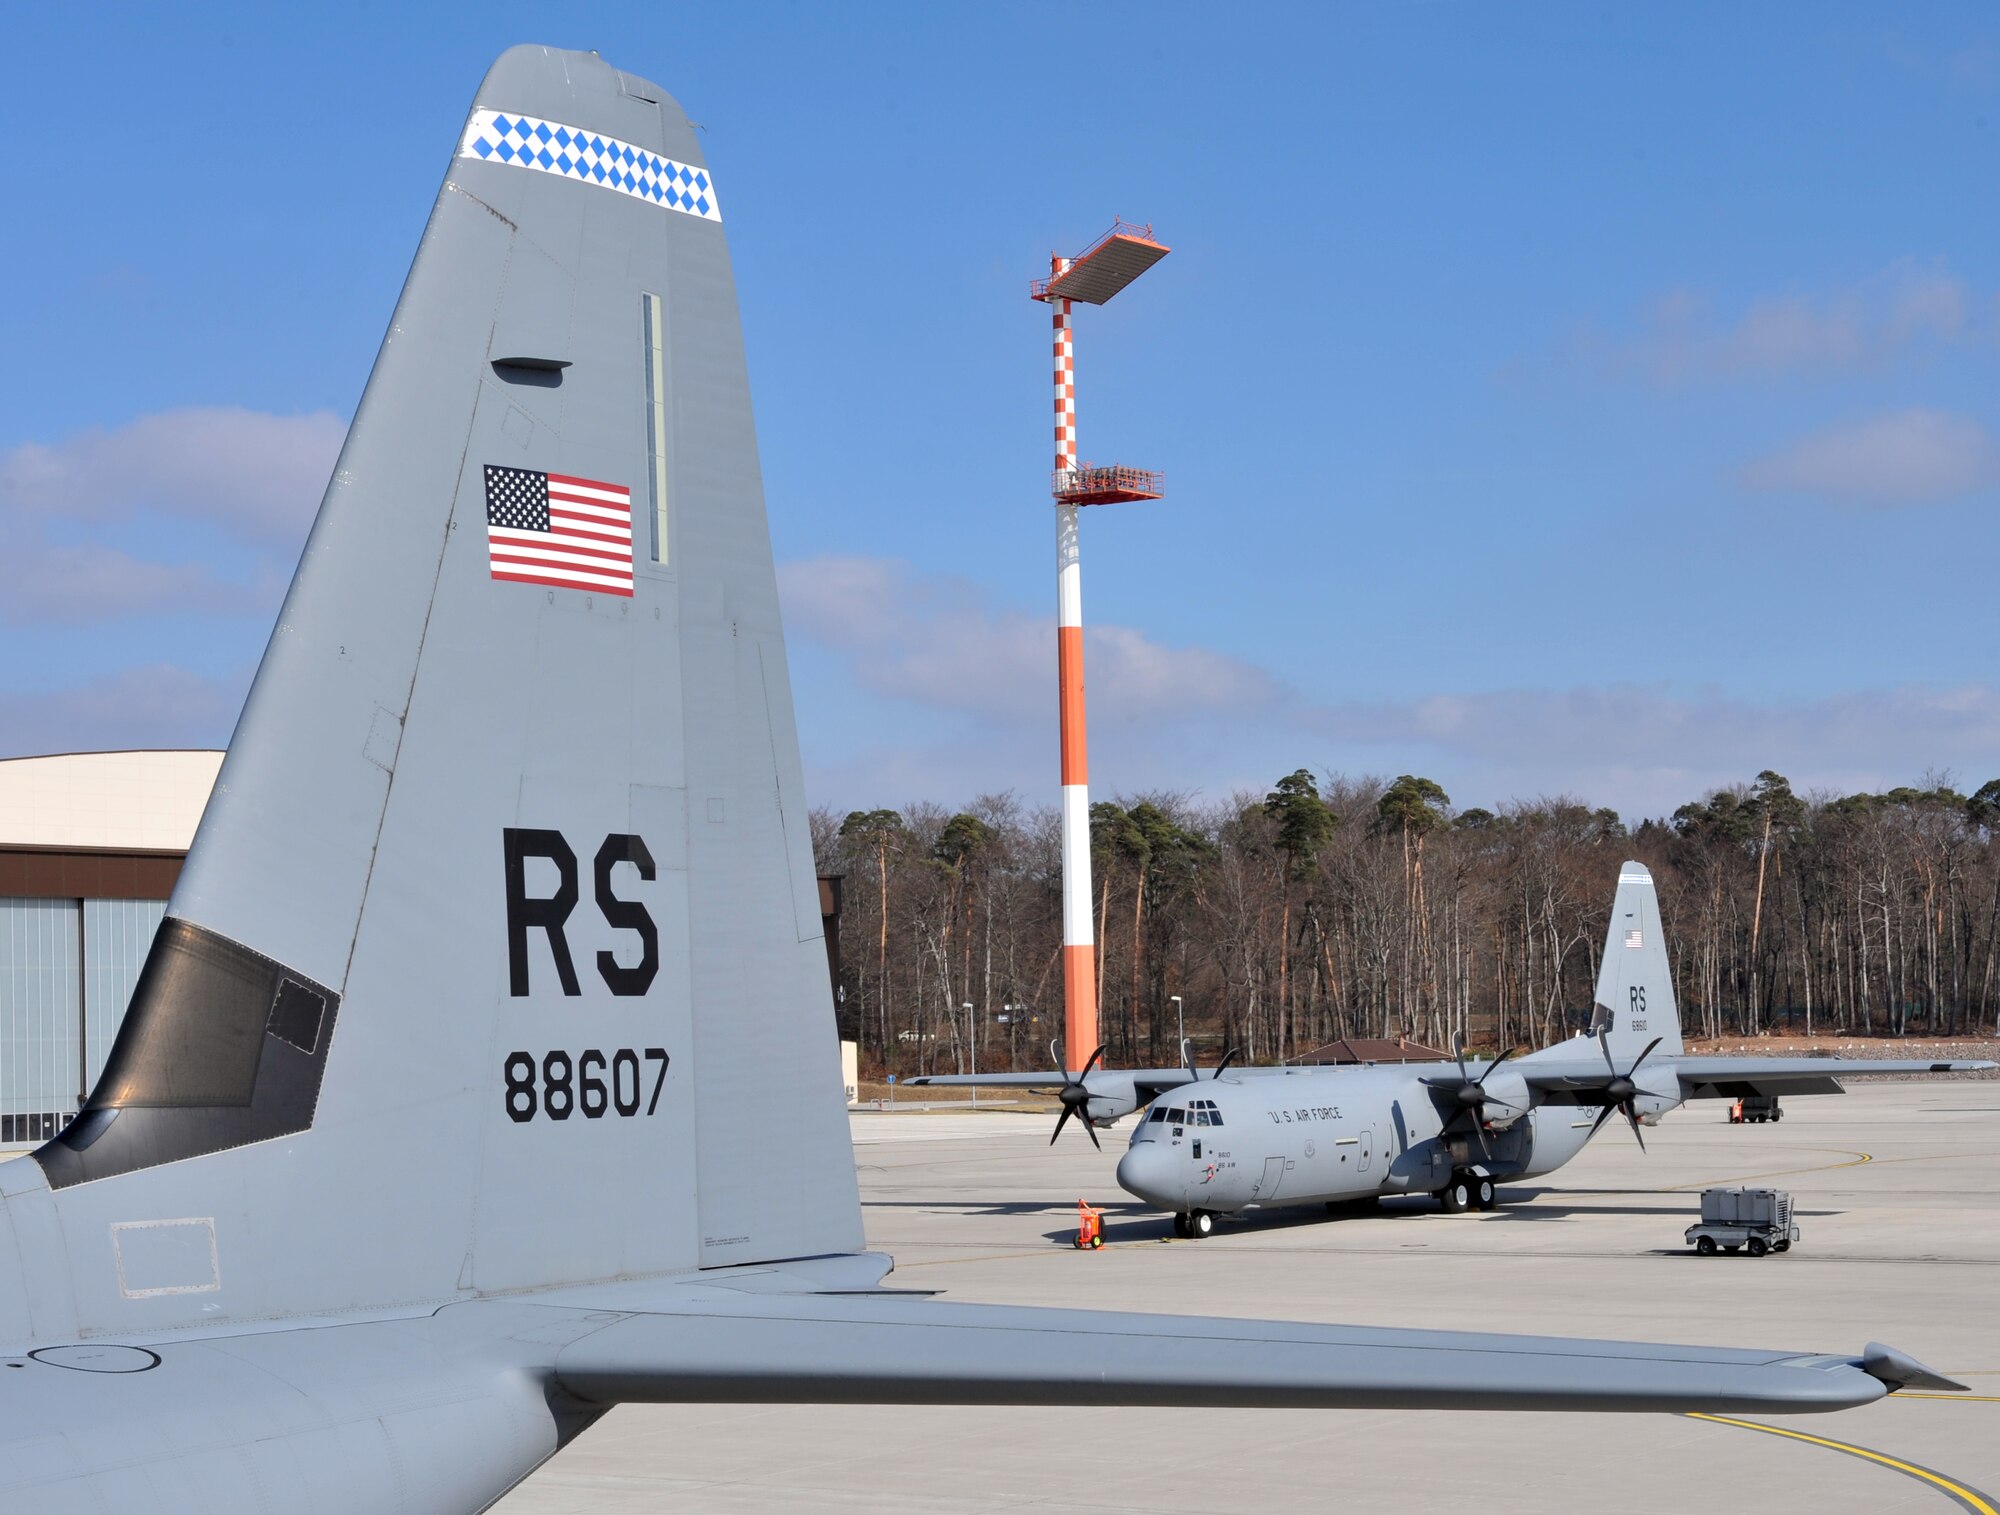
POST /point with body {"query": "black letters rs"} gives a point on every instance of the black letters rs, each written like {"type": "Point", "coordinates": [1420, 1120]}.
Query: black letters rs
{"type": "Point", "coordinates": [550, 914]}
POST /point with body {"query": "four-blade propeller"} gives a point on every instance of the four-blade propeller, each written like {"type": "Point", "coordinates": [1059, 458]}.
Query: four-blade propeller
{"type": "Point", "coordinates": [1194, 1073]}
{"type": "Point", "coordinates": [1470, 1093]}
{"type": "Point", "coordinates": [1075, 1096]}
{"type": "Point", "coordinates": [1620, 1092]}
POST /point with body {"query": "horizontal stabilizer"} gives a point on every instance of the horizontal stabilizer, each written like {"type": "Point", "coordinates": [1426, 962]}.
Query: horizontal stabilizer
{"type": "Point", "coordinates": [858, 1349]}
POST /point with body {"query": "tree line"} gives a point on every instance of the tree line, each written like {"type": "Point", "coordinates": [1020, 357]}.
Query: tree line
{"type": "Point", "coordinates": [1336, 906]}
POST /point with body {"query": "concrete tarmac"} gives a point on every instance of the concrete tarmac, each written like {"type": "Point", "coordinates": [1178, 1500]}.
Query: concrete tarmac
{"type": "Point", "coordinates": [1898, 1195]}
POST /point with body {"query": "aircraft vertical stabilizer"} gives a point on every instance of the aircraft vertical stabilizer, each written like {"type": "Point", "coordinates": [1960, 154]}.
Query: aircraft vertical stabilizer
{"type": "Point", "coordinates": [1635, 987]}
{"type": "Point", "coordinates": [496, 962]}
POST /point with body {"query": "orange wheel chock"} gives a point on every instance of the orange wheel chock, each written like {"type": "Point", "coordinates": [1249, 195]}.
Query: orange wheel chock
{"type": "Point", "coordinates": [1090, 1227]}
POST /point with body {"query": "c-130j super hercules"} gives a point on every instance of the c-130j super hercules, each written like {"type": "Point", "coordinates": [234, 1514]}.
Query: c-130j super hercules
{"type": "Point", "coordinates": [1222, 1141]}
{"type": "Point", "coordinates": [480, 1077]}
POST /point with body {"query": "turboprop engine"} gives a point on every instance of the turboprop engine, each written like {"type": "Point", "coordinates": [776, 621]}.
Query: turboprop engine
{"type": "Point", "coordinates": [1495, 1098]}
{"type": "Point", "coordinates": [1505, 1097]}
{"type": "Point", "coordinates": [1650, 1107]}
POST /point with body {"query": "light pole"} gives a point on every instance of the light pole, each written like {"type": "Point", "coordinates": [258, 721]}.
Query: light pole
{"type": "Point", "coordinates": [1180, 1025]}
{"type": "Point", "coordinates": [972, 1036]}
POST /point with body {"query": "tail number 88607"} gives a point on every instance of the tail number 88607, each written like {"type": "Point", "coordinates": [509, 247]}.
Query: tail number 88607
{"type": "Point", "coordinates": [558, 1086]}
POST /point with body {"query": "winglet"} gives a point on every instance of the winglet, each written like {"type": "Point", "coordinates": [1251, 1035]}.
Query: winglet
{"type": "Point", "coordinates": [1900, 1371]}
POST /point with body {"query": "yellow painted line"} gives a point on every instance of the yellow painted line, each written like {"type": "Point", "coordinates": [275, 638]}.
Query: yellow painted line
{"type": "Point", "coordinates": [1960, 1494]}
{"type": "Point", "coordinates": [1854, 1160]}
{"type": "Point", "coordinates": [1977, 1399]}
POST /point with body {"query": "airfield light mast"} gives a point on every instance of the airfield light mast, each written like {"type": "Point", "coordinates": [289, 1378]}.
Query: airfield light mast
{"type": "Point", "coordinates": [1110, 263]}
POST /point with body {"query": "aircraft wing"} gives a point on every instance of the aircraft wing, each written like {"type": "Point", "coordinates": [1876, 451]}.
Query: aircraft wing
{"type": "Point", "coordinates": [886, 1348]}
{"type": "Point", "coordinates": [1154, 1079]}
{"type": "Point", "coordinates": [1732, 1077]}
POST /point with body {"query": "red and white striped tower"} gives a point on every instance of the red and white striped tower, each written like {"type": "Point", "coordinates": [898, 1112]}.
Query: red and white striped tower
{"type": "Point", "coordinates": [1079, 940]}
{"type": "Point", "coordinates": [1112, 262]}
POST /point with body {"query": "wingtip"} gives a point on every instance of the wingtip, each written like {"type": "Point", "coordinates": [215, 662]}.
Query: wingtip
{"type": "Point", "coordinates": [1899, 1370]}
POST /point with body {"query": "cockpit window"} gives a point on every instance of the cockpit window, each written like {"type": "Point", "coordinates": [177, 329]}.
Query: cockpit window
{"type": "Point", "coordinates": [1159, 1114]}
{"type": "Point", "coordinates": [1215, 1117]}
{"type": "Point", "coordinates": [1177, 1116]}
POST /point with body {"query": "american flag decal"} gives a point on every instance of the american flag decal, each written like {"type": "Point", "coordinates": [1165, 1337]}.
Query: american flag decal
{"type": "Point", "coordinates": [1634, 939]}
{"type": "Point", "coordinates": [549, 528]}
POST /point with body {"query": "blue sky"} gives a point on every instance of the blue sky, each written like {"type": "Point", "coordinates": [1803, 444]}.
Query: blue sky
{"type": "Point", "coordinates": [1552, 399]}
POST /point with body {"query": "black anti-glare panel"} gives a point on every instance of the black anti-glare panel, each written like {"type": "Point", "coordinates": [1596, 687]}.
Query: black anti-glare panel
{"type": "Point", "coordinates": [221, 1047]}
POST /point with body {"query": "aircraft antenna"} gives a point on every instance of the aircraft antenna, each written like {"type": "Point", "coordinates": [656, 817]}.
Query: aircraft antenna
{"type": "Point", "coordinates": [1104, 268]}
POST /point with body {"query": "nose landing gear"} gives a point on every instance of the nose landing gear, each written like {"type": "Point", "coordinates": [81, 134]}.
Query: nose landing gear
{"type": "Point", "coordinates": [1194, 1225]}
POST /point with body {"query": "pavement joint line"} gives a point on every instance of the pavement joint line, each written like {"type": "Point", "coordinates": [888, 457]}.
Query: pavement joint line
{"type": "Point", "coordinates": [1962, 1495]}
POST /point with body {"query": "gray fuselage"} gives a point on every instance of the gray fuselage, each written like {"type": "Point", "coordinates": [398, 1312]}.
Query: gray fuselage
{"type": "Point", "coordinates": [1309, 1135]}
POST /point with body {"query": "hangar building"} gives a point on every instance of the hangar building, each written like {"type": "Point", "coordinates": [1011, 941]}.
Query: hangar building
{"type": "Point", "coordinates": [90, 846]}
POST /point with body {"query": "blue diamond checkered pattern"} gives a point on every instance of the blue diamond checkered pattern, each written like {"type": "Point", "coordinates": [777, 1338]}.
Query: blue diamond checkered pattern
{"type": "Point", "coordinates": [552, 148]}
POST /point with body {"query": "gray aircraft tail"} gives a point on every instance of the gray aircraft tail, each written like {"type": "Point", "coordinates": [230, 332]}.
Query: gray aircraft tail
{"type": "Point", "coordinates": [1635, 986]}
{"type": "Point", "coordinates": [496, 962]}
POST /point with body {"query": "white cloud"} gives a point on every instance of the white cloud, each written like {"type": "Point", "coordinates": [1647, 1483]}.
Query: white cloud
{"type": "Point", "coordinates": [1645, 750]}
{"type": "Point", "coordinates": [978, 694]}
{"type": "Point", "coordinates": [1637, 725]}
{"type": "Point", "coordinates": [257, 476]}
{"type": "Point", "coordinates": [1906, 307]}
{"type": "Point", "coordinates": [936, 641]}
{"type": "Point", "coordinates": [1908, 457]}
{"type": "Point", "coordinates": [158, 705]}
{"type": "Point", "coordinates": [44, 583]}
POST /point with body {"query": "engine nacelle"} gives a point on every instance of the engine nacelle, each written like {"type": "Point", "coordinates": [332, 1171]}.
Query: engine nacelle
{"type": "Point", "coordinates": [1650, 1107]}
{"type": "Point", "coordinates": [1111, 1095]}
{"type": "Point", "coordinates": [1507, 1098]}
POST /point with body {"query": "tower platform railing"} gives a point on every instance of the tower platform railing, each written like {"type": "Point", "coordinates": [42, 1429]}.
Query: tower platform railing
{"type": "Point", "coordinates": [1092, 484]}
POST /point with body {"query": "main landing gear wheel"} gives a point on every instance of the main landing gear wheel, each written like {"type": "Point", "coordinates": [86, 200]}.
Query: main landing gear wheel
{"type": "Point", "coordinates": [1200, 1223]}
{"type": "Point", "coordinates": [1456, 1196]}
{"type": "Point", "coordinates": [1482, 1193]}
{"type": "Point", "coordinates": [1756, 1248]}
{"type": "Point", "coordinates": [1705, 1245]}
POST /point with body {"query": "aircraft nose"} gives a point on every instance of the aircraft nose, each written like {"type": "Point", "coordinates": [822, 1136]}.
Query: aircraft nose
{"type": "Point", "coordinates": [1147, 1170]}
